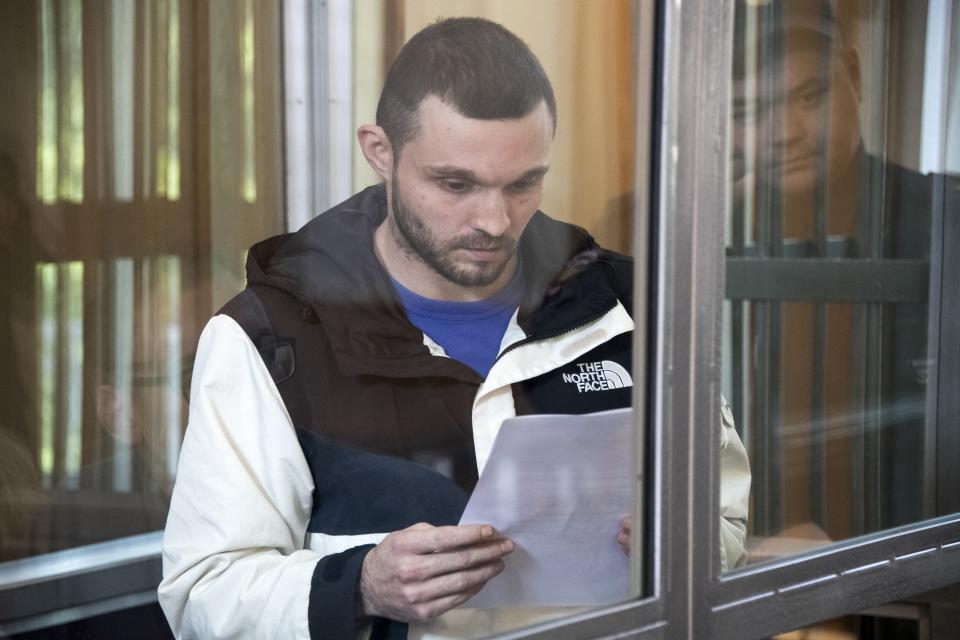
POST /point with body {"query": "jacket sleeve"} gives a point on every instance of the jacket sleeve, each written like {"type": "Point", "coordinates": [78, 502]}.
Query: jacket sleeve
{"type": "Point", "coordinates": [234, 565]}
{"type": "Point", "coordinates": [734, 492]}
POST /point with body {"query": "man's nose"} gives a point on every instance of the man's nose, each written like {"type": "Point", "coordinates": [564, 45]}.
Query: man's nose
{"type": "Point", "coordinates": [492, 215]}
{"type": "Point", "coordinates": [791, 126]}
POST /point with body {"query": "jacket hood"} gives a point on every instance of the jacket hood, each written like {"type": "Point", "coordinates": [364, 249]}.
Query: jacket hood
{"type": "Point", "coordinates": [330, 267]}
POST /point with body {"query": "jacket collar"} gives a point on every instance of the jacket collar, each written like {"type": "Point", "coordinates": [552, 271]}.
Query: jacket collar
{"type": "Point", "coordinates": [330, 267]}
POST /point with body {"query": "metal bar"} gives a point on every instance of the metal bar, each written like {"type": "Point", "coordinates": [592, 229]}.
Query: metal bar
{"type": "Point", "coordinates": [849, 576]}
{"type": "Point", "coordinates": [947, 354]}
{"type": "Point", "coordinates": [766, 452]}
{"type": "Point", "coordinates": [828, 280]}
{"type": "Point", "coordinates": [739, 357]}
{"type": "Point", "coordinates": [858, 448]}
{"type": "Point", "coordinates": [81, 612]}
{"type": "Point", "coordinates": [775, 84]}
{"type": "Point", "coordinates": [873, 421]}
{"type": "Point", "coordinates": [647, 523]}
{"type": "Point", "coordinates": [871, 199]}
{"type": "Point", "coordinates": [738, 314]}
{"type": "Point", "coordinates": [775, 412]}
{"type": "Point", "coordinates": [761, 449]}
{"type": "Point", "coordinates": [936, 464]}
{"type": "Point", "coordinates": [943, 404]}
{"type": "Point", "coordinates": [873, 362]}
{"type": "Point", "coordinates": [818, 467]}
{"type": "Point", "coordinates": [79, 576]}
{"type": "Point", "coordinates": [691, 366]}
{"type": "Point", "coordinates": [818, 442]}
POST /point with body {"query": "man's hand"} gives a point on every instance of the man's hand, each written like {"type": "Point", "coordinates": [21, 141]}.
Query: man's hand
{"type": "Point", "coordinates": [624, 536]}
{"type": "Point", "coordinates": [418, 573]}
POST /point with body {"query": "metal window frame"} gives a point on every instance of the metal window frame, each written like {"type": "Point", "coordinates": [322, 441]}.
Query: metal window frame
{"type": "Point", "coordinates": [792, 592]}
{"type": "Point", "coordinates": [74, 584]}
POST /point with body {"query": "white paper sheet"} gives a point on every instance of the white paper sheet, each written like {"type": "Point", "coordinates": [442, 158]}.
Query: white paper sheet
{"type": "Point", "coordinates": [558, 486]}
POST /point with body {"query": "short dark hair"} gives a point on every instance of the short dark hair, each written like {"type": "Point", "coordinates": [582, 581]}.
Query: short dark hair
{"type": "Point", "coordinates": [775, 19]}
{"type": "Point", "coordinates": [474, 65]}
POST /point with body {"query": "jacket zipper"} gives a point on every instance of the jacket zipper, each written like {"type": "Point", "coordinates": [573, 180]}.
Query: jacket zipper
{"type": "Point", "coordinates": [556, 334]}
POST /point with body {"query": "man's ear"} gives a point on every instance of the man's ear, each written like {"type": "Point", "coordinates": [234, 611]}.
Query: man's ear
{"type": "Point", "coordinates": [376, 148]}
{"type": "Point", "coordinates": [851, 62]}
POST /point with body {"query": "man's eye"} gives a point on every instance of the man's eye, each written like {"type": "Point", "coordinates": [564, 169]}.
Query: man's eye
{"type": "Point", "coordinates": [813, 97]}
{"type": "Point", "coordinates": [454, 186]}
{"type": "Point", "coordinates": [524, 185]}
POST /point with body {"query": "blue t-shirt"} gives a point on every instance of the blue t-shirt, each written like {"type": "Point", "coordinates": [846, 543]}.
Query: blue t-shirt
{"type": "Point", "coordinates": [470, 332]}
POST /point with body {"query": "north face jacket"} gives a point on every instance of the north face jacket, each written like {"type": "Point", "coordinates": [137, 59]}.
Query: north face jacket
{"type": "Point", "coordinates": [321, 420]}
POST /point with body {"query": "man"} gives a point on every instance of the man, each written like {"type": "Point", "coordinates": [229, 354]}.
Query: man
{"type": "Point", "coordinates": [343, 405]}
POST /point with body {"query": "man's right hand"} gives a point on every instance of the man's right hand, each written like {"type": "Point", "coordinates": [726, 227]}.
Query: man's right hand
{"type": "Point", "coordinates": [417, 574]}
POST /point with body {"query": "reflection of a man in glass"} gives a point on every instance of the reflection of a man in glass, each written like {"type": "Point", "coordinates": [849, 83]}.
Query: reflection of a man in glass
{"type": "Point", "coordinates": [796, 123]}
{"type": "Point", "coordinates": [140, 407]}
{"type": "Point", "coordinates": [133, 416]}
{"type": "Point", "coordinates": [797, 151]}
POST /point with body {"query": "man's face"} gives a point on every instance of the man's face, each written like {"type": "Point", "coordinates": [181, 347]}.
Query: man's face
{"type": "Point", "coordinates": [806, 127]}
{"type": "Point", "coordinates": [463, 191]}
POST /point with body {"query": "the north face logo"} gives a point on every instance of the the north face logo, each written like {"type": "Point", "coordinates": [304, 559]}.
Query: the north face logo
{"type": "Point", "coordinates": [599, 376]}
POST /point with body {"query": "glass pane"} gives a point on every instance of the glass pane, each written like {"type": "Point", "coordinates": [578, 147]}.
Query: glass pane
{"type": "Point", "coordinates": [124, 214]}
{"type": "Point", "coordinates": [840, 163]}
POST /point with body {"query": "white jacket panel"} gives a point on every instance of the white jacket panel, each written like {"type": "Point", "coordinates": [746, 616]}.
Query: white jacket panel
{"type": "Point", "coordinates": [233, 558]}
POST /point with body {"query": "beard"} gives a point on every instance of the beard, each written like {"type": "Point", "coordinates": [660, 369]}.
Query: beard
{"type": "Point", "coordinates": [417, 240]}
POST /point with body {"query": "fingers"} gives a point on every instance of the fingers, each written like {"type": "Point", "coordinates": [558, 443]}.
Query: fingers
{"type": "Point", "coordinates": [450, 585]}
{"type": "Point", "coordinates": [422, 538]}
{"type": "Point", "coordinates": [426, 611]}
{"type": "Point", "coordinates": [421, 567]}
{"type": "Point", "coordinates": [624, 541]}
{"type": "Point", "coordinates": [623, 537]}
{"type": "Point", "coordinates": [422, 571]}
